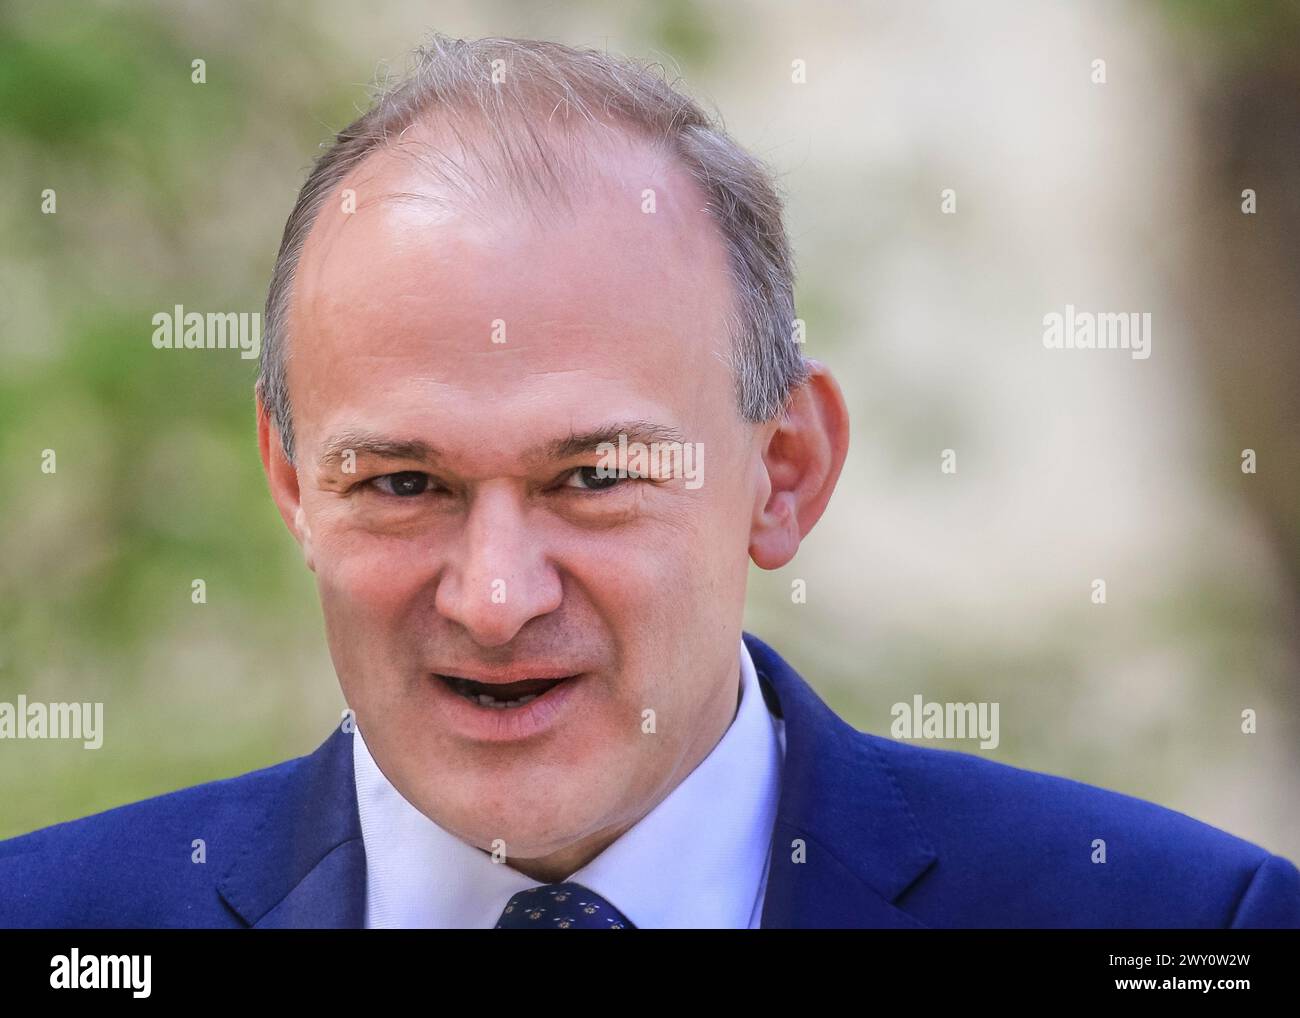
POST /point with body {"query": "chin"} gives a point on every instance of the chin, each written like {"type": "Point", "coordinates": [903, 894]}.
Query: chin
{"type": "Point", "coordinates": [484, 813]}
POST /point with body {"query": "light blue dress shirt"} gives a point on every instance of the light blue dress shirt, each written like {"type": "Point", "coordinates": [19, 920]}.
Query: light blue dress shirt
{"type": "Point", "coordinates": [698, 860]}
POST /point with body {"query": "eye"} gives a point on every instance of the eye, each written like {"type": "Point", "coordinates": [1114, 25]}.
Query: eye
{"type": "Point", "coordinates": [590, 479]}
{"type": "Point", "coordinates": [403, 484]}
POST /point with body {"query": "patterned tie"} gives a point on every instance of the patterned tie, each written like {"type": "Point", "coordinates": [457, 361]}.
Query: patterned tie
{"type": "Point", "coordinates": [565, 906]}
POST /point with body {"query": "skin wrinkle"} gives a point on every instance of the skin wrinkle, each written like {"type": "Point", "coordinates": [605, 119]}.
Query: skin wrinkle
{"type": "Point", "coordinates": [612, 315]}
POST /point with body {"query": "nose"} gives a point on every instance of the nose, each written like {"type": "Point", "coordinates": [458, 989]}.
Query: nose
{"type": "Point", "coordinates": [498, 576]}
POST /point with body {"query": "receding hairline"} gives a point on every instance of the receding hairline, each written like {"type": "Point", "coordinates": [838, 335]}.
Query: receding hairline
{"type": "Point", "coordinates": [454, 172]}
{"type": "Point", "coordinates": [454, 81]}
{"type": "Point", "coordinates": [474, 194]}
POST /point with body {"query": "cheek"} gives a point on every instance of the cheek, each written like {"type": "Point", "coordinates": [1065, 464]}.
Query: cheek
{"type": "Point", "coordinates": [363, 578]}
{"type": "Point", "coordinates": [367, 588]}
{"type": "Point", "coordinates": [636, 578]}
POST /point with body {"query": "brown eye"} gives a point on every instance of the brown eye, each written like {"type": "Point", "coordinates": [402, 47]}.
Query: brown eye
{"type": "Point", "coordinates": [591, 479]}
{"type": "Point", "coordinates": [403, 484]}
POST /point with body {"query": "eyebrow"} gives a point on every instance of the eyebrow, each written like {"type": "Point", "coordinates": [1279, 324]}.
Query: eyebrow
{"type": "Point", "coordinates": [365, 443]}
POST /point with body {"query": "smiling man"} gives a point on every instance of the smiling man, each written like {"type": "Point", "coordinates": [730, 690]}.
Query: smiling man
{"type": "Point", "coordinates": [500, 616]}
{"type": "Point", "coordinates": [522, 269]}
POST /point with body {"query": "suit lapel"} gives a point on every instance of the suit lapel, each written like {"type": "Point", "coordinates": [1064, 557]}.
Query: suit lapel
{"type": "Point", "coordinates": [303, 863]}
{"type": "Point", "coordinates": [841, 807]}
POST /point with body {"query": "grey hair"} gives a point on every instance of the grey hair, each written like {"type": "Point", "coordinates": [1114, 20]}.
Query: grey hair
{"type": "Point", "coordinates": [456, 79]}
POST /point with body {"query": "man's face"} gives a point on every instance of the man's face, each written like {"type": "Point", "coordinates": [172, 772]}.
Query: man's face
{"type": "Point", "coordinates": [444, 358]}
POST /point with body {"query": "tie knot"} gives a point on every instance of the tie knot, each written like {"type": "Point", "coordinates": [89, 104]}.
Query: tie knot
{"type": "Point", "coordinates": [563, 906]}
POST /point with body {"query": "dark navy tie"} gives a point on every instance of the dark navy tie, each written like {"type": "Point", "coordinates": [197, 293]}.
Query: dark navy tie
{"type": "Point", "coordinates": [565, 906]}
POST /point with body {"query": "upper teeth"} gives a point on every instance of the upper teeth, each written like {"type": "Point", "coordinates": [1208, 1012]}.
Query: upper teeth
{"type": "Point", "coordinates": [490, 701]}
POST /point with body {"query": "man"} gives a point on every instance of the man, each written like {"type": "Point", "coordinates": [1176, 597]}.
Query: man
{"type": "Point", "coordinates": [516, 305]}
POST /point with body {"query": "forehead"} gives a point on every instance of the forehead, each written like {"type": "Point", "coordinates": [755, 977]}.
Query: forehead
{"type": "Point", "coordinates": [410, 301]}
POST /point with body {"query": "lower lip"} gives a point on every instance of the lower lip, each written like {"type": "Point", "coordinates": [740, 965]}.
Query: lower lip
{"type": "Point", "coordinates": [509, 724]}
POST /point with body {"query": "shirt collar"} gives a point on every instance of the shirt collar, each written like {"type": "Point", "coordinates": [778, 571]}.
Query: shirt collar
{"type": "Point", "coordinates": [670, 870]}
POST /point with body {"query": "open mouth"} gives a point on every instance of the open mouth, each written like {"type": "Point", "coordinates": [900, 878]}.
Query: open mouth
{"type": "Point", "coordinates": [502, 695]}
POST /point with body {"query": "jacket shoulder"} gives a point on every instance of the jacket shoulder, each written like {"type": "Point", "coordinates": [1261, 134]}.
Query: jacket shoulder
{"type": "Point", "coordinates": [1018, 847]}
{"type": "Point", "coordinates": [155, 862]}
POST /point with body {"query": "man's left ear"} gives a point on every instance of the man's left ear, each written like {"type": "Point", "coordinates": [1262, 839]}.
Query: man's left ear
{"type": "Point", "coordinates": [803, 459]}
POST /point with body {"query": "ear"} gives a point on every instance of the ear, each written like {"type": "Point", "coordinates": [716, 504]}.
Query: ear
{"type": "Point", "coordinates": [803, 455]}
{"type": "Point", "coordinates": [282, 476]}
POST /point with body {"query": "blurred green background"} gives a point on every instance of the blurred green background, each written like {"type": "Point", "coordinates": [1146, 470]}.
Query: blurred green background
{"type": "Point", "coordinates": [1117, 196]}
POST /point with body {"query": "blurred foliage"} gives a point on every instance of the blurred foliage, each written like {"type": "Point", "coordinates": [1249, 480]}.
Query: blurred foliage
{"type": "Point", "coordinates": [161, 200]}
{"type": "Point", "coordinates": [1239, 33]}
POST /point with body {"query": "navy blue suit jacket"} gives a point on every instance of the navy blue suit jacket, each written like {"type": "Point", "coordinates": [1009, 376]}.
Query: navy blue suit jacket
{"type": "Point", "coordinates": [891, 835]}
